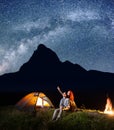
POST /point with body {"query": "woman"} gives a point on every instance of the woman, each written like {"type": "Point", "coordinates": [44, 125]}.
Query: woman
{"type": "Point", "coordinates": [71, 97]}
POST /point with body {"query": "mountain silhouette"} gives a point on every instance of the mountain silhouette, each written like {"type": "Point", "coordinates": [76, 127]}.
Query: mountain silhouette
{"type": "Point", "coordinates": [44, 72]}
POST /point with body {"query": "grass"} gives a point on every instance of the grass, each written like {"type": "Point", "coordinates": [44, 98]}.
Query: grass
{"type": "Point", "coordinates": [11, 118]}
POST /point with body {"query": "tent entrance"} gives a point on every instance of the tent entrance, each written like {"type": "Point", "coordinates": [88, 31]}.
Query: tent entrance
{"type": "Point", "coordinates": [41, 103]}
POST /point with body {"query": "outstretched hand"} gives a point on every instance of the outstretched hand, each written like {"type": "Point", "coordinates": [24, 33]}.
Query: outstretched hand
{"type": "Point", "coordinates": [58, 87]}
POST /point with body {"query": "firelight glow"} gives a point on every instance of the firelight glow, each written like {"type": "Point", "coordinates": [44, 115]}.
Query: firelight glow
{"type": "Point", "coordinates": [109, 112]}
{"type": "Point", "coordinates": [108, 107]}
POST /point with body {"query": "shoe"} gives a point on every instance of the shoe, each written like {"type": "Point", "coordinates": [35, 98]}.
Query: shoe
{"type": "Point", "coordinates": [53, 119]}
{"type": "Point", "coordinates": [57, 118]}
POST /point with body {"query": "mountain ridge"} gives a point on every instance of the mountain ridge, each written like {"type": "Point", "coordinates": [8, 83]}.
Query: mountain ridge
{"type": "Point", "coordinates": [45, 64]}
{"type": "Point", "coordinates": [44, 72]}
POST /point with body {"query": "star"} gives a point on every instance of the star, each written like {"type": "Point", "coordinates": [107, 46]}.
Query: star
{"type": "Point", "coordinates": [79, 31]}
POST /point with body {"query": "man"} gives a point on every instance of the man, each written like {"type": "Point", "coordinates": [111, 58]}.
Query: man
{"type": "Point", "coordinates": [64, 105]}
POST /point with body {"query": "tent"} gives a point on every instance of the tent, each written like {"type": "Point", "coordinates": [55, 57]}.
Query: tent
{"type": "Point", "coordinates": [34, 100]}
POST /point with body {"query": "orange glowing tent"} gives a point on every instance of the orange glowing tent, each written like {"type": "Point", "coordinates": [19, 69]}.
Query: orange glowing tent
{"type": "Point", "coordinates": [34, 100]}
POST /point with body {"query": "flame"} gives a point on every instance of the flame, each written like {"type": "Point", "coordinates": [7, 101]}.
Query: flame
{"type": "Point", "coordinates": [108, 107]}
{"type": "Point", "coordinates": [109, 112]}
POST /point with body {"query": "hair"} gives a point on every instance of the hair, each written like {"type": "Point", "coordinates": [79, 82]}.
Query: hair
{"type": "Point", "coordinates": [71, 96]}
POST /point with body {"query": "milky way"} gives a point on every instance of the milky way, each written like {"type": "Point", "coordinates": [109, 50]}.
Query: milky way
{"type": "Point", "coordinates": [81, 31]}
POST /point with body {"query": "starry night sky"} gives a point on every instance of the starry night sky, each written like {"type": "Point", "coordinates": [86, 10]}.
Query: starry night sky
{"type": "Point", "coordinates": [81, 31]}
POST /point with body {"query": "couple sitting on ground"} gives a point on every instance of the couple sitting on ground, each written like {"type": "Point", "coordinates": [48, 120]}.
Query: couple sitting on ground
{"type": "Point", "coordinates": [66, 103]}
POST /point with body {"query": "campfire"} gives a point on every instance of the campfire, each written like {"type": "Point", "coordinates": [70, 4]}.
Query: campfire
{"type": "Point", "coordinates": [108, 107]}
